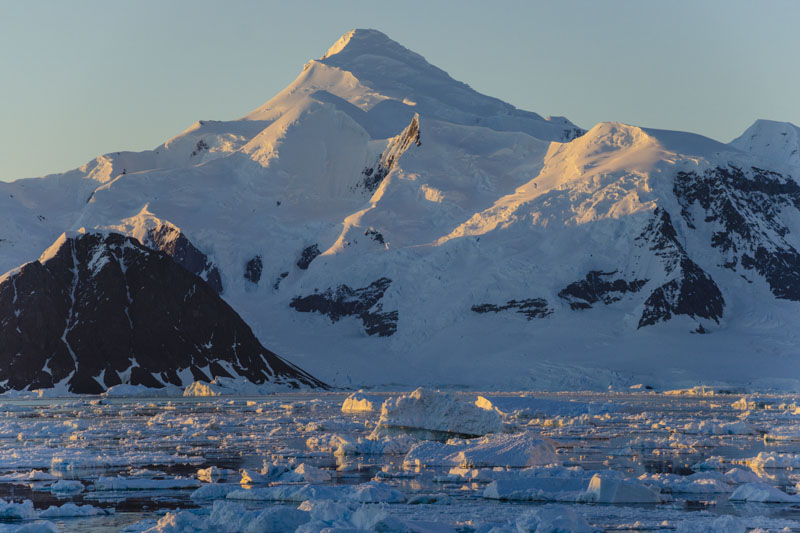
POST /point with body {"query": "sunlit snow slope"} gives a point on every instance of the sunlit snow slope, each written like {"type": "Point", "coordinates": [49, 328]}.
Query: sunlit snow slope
{"type": "Point", "coordinates": [379, 223]}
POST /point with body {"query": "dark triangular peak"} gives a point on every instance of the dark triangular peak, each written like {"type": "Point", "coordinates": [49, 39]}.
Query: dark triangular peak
{"type": "Point", "coordinates": [99, 309]}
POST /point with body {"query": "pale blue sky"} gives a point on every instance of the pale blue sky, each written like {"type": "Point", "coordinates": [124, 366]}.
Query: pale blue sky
{"type": "Point", "coordinates": [83, 78]}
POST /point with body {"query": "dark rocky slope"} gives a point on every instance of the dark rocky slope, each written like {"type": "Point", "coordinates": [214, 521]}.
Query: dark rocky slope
{"type": "Point", "coordinates": [98, 310]}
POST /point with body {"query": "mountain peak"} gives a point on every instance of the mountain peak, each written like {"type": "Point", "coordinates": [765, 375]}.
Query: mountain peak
{"type": "Point", "coordinates": [772, 140]}
{"type": "Point", "coordinates": [361, 42]}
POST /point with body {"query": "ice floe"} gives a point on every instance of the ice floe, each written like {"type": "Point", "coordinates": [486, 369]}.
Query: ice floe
{"type": "Point", "coordinates": [430, 413]}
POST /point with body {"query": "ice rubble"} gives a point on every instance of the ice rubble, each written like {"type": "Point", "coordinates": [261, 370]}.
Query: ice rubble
{"type": "Point", "coordinates": [434, 414]}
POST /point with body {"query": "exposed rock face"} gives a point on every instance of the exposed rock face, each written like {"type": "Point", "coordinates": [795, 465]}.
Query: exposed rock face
{"type": "Point", "coordinates": [97, 310]}
{"type": "Point", "coordinates": [309, 254]}
{"type": "Point", "coordinates": [598, 287]}
{"type": "Point", "coordinates": [743, 208]}
{"type": "Point", "coordinates": [253, 268]}
{"type": "Point", "coordinates": [171, 240]}
{"type": "Point", "coordinates": [690, 291]}
{"type": "Point", "coordinates": [373, 176]}
{"type": "Point", "coordinates": [346, 301]}
{"type": "Point", "coordinates": [531, 307]}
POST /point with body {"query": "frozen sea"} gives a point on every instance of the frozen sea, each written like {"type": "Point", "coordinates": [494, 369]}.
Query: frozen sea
{"type": "Point", "coordinates": [618, 462]}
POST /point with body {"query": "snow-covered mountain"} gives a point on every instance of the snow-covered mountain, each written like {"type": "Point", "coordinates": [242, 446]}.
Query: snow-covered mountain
{"type": "Point", "coordinates": [380, 223]}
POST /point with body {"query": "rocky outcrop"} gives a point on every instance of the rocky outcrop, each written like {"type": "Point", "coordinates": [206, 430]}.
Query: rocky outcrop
{"type": "Point", "coordinates": [309, 254]}
{"type": "Point", "coordinates": [363, 303]}
{"type": "Point", "coordinates": [531, 308]}
{"type": "Point", "coordinates": [598, 287]}
{"type": "Point", "coordinates": [372, 176]}
{"type": "Point", "coordinates": [689, 290]}
{"type": "Point", "coordinates": [97, 310]}
{"type": "Point", "coordinates": [169, 239]}
{"type": "Point", "coordinates": [253, 268]}
{"type": "Point", "coordinates": [743, 208]}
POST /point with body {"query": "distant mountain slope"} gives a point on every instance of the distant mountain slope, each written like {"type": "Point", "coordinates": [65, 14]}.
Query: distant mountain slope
{"type": "Point", "coordinates": [380, 223]}
{"type": "Point", "coordinates": [97, 310]}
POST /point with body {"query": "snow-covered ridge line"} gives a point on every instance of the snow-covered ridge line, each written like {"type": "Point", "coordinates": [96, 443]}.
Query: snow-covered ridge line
{"type": "Point", "coordinates": [380, 223]}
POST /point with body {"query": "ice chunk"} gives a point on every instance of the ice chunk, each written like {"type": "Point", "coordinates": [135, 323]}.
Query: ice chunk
{"type": "Point", "coordinates": [703, 483]}
{"type": "Point", "coordinates": [201, 388]}
{"type": "Point", "coordinates": [122, 483]}
{"type": "Point", "coordinates": [233, 517]}
{"type": "Point", "coordinates": [178, 522]}
{"type": "Point", "coordinates": [40, 475]}
{"type": "Point", "coordinates": [773, 460]}
{"type": "Point", "coordinates": [434, 414]}
{"type": "Point", "coordinates": [762, 493]}
{"type": "Point", "coordinates": [739, 475]}
{"type": "Point", "coordinates": [69, 510]}
{"type": "Point", "coordinates": [555, 489]}
{"type": "Point", "coordinates": [17, 511]}
{"type": "Point", "coordinates": [612, 487]}
{"type": "Point", "coordinates": [523, 449]}
{"type": "Point", "coordinates": [213, 474]}
{"type": "Point", "coordinates": [374, 492]}
{"type": "Point", "coordinates": [333, 516]}
{"type": "Point", "coordinates": [360, 402]}
{"type": "Point", "coordinates": [66, 486]}
{"type": "Point", "coordinates": [553, 519]}
{"type": "Point", "coordinates": [213, 492]}
{"type": "Point", "coordinates": [520, 450]}
{"type": "Point", "coordinates": [306, 474]}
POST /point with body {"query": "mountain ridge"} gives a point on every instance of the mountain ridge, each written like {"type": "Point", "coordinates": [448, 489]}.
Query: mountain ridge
{"type": "Point", "coordinates": [376, 230]}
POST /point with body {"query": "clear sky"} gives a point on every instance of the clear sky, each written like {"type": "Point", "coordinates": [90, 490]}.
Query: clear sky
{"type": "Point", "coordinates": [83, 78]}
